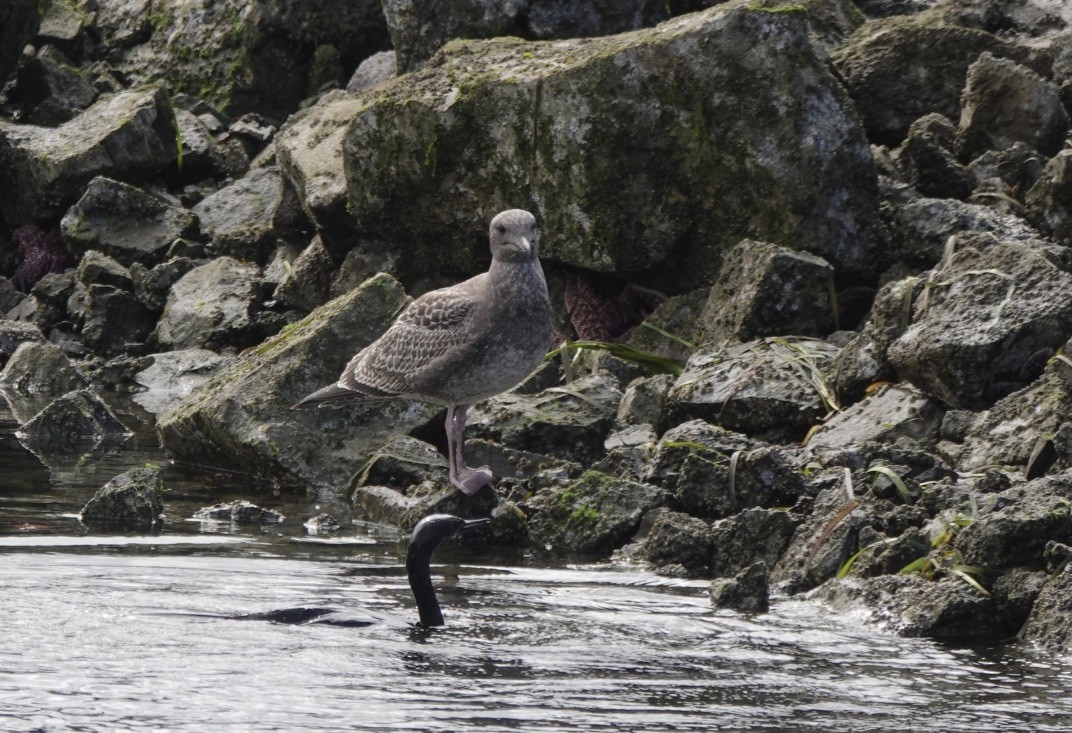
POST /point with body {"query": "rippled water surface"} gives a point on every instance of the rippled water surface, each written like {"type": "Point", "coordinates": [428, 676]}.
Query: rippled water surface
{"type": "Point", "coordinates": [107, 633]}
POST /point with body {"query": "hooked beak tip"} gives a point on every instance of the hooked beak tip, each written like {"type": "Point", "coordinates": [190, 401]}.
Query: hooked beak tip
{"type": "Point", "coordinates": [471, 524]}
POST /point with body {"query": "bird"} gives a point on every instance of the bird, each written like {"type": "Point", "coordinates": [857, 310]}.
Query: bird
{"type": "Point", "coordinates": [462, 344]}
{"type": "Point", "coordinates": [428, 535]}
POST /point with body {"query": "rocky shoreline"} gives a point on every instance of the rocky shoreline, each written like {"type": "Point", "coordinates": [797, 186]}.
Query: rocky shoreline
{"type": "Point", "coordinates": [811, 261]}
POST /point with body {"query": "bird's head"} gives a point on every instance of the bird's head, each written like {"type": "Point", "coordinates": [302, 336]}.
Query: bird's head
{"type": "Point", "coordinates": [514, 237]}
{"type": "Point", "coordinates": [435, 529]}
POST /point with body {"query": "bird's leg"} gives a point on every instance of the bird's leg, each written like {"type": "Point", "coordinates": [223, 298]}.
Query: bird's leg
{"type": "Point", "coordinates": [469, 480]}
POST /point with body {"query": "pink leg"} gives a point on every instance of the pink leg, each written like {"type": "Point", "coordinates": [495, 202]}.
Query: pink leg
{"type": "Point", "coordinates": [468, 480]}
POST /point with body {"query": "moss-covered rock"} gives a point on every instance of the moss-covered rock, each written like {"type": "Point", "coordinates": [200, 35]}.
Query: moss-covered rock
{"type": "Point", "coordinates": [131, 498]}
{"type": "Point", "coordinates": [595, 514]}
{"type": "Point", "coordinates": [242, 416]}
{"type": "Point", "coordinates": [41, 367]}
{"type": "Point", "coordinates": [582, 132]}
{"type": "Point", "coordinates": [125, 222]}
{"type": "Point", "coordinates": [43, 170]}
{"type": "Point", "coordinates": [240, 56]}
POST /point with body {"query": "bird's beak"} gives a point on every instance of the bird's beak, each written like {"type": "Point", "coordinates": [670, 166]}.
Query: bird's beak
{"type": "Point", "coordinates": [524, 245]}
{"type": "Point", "coordinates": [471, 524]}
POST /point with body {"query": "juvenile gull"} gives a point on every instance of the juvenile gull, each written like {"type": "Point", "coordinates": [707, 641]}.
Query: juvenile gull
{"type": "Point", "coordinates": [460, 345]}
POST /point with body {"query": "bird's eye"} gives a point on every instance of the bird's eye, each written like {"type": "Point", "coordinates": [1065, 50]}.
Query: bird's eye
{"type": "Point", "coordinates": [500, 228]}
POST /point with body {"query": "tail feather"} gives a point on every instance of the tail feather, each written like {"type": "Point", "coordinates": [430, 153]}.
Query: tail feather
{"type": "Point", "coordinates": [330, 394]}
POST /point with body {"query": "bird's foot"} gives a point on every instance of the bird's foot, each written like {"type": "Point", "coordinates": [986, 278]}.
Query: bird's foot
{"type": "Point", "coordinates": [471, 480]}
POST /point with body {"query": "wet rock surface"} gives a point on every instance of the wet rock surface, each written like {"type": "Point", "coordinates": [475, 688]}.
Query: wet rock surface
{"type": "Point", "coordinates": [130, 499]}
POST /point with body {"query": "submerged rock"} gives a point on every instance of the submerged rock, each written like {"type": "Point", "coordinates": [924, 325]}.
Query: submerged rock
{"type": "Point", "coordinates": [41, 367]}
{"type": "Point", "coordinates": [129, 498]}
{"type": "Point", "coordinates": [623, 135]}
{"type": "Point", "coordinates": [44, 170]}
{"type": "Point", "coordinates": [239, 512]}
{"type": "Point", "coordinates": [948, 609]}
{"type": "Point", "coordinates": [71, 423]}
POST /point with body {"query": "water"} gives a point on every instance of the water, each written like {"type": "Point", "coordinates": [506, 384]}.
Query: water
{"type": "Point", "coordinates": [118, 633]}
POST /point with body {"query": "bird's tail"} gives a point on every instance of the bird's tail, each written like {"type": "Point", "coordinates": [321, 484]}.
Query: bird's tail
{"type": "Point", "coordinates": [330, 394]}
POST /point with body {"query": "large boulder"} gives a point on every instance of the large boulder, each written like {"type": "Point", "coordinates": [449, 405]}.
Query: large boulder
{"type": "Point", "coordinates": [242, 416]}
{"type": "Point", "coordinates": [212, 306]}
{"type": "Point", "coordinates": [263, 52]}
{"type": "Point", "coordinates": [43, 170]}
{"type": "Point", "coordinates": [981, 321]}
{"type": "Point", "coordinates": [582, 131]}
{"type": "Point", "coordinates": [125, 222]}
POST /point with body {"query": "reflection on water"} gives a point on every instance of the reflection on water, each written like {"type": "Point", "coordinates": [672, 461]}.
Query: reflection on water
{"type": "Point", "coordinates": [104, 633]}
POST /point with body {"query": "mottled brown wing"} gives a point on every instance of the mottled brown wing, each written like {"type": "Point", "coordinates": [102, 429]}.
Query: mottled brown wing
{"type": "Point", "coordinates": [429, 328]}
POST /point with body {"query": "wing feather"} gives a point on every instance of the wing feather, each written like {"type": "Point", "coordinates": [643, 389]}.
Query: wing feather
{"type": "Point", "coordinates": [432, 326]}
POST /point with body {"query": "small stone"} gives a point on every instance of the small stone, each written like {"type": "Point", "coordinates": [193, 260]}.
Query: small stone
{"type": "Point", "coordinates": [97, 268]}
{"type": "Point", "coordinates": [239, 512]}
{"type": "Point", "coordinates": [322, 524]}
{"type": "Point", "coordinates": [747, 592]}
{"type": "Point", "coordinates": [129, 498]}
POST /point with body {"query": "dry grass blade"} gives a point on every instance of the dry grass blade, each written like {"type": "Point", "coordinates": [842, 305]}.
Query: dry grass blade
{"type": "Point", "coordinates": [625, 352]}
